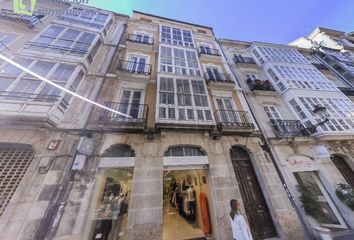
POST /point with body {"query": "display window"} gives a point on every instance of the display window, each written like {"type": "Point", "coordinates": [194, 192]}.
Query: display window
{"type": "Point", "coordinates": [186, 210]}
{"type": "Point", "coordinates": [110, 205]}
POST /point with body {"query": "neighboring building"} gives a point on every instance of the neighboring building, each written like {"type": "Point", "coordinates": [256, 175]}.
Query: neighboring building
{"type": "Point", "coordinates": [283, 86]}
{"type": "Point", "coordinates": [335, 51]}
{"type": "Point", "coordinates": [40, 125]}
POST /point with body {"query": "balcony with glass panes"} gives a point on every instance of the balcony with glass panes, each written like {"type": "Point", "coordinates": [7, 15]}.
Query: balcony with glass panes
{"type": "Point", "coordinates": [183, 103]}
{"type": "Point", "coordinates": [24, 97]}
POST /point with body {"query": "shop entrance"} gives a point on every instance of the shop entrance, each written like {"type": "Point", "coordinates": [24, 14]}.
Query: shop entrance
{"type": "Point", "coordinates": [185, 209]}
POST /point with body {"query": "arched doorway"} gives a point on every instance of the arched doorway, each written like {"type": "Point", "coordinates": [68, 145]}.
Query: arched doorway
{"type": "Point", "coordinates": [258, 215]}
{"type": "Point", "coordinates": [111, 195]}
{"type": "Point", "coordinates": [344, 169]}
{"type": "Point", "coordinates": [186, 193]}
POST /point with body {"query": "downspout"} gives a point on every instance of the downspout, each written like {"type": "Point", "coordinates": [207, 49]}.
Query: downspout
{"type": "Point", "coordinates": [266, 148]}
{"type": "Point", "coordinates": [50, 222]}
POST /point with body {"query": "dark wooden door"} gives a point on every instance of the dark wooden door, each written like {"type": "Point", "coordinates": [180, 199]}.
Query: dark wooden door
{"type": "Point", "coordinates": [344, 169]}
{"type": "Point", "coordinates": [261, 223]}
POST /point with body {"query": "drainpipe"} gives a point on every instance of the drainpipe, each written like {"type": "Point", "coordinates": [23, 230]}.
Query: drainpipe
{"type": "Point", "coordinates": [266, 148]}
{"type": "Point", "coordinates": [54, 213]}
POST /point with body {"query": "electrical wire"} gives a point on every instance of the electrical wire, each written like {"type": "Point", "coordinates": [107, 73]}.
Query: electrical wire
{"type": "Point", "coordinates": [60, 87]}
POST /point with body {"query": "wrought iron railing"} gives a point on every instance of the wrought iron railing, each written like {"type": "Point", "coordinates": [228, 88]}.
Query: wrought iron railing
{"type": "Point", "coordinates": [233, 119]}
{"type": "Point", "coordinates": [31, 21]}
{"type": "Point", "coordinates": [217, 77]}
{"type": "Point", "coordinates": [240, 59]}
{"type": "Point", "coordinates": [55, 48]}
{"type": "Point", "coordinates": [31, 97]}
{"type": "Point", "coordinates": [140, 39]}
{"type": "Point", "coordinates": [320, 66]}
{"type": "Point", "coordinates": [135, 67]}
{"type": "Point", "coordinates": [137, 112]}
{"type": "Point", "coordinates": [263, 85]}
{"type": "Point", "coordinates": [347, 91]}
{"type": "Point", "coordinates": [208, 51]}
{"type": "Point", "coordinates": [289, 128]}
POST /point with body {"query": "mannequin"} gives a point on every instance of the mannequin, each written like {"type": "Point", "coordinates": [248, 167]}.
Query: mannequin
{"type": "Point", "coordinates": [191, 203]}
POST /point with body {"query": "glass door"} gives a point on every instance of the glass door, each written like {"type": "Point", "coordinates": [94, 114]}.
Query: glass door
{"type": "Point", "coordinates": [130, 103]}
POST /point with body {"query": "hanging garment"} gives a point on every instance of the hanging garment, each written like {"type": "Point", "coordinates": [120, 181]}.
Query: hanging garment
{"type": "Point", "coordinates": [240, 230]}
{"type": "Point", "coordinates": [186, 205]}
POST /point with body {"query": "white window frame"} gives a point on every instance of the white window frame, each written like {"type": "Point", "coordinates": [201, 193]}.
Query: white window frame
{"type": "Point", "coordinates": [177, 107]}
{"type": "Point", "coordinates": [2, 47]}
{"type": "Point", "coordinates": [171, 33]}
{"type": "Point", "coordinates": [271, 113]}
{"type": "Point", "coordinates": [186, 62]}
{"type": "Point", "coordinates": [56, 38]}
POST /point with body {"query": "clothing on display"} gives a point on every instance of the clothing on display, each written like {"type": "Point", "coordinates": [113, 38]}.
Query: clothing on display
{"type": "Point", "coordinates": [183, 198]}
{"type": "Point", "coordinates": [110, 211]}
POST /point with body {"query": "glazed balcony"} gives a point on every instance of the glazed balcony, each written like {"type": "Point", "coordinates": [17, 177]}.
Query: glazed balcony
{"type": "Point", "coordinates": [217, 78]}
{"type": "Point", "coordinates": [41, 108]}
{"type": "Point", "coordinates": [289, 128]}
{"type": "Point", "coordinates": [233, 121]}
{"type": "Point", "coordinates": [259, 85]}
{"type": "Point", "coordinates": [140, 42]}
{"type": "Point", "coordinates": [133, 71]}
{"type": "Point", "coordinates": [138, 113]}
{"type": "Point", "coordinates": [238, 59]}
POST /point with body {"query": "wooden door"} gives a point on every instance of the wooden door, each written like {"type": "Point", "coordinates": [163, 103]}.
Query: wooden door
{"type": "Point", "coordinates": [261, 223]}
{"type": "Point", "coordinates": [344, 169]}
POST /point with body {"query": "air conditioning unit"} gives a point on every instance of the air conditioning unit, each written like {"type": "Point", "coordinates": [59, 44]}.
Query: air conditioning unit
{"type": "Point", "coordinates": [86, 146]}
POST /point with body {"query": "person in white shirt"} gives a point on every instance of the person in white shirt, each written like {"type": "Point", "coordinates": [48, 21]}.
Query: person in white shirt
{"type": "Point", "coordinates": [240, 229]}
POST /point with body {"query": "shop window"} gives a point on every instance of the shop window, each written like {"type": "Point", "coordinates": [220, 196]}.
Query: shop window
{"type": "Point", "coordinates": [316, 201]}
{"type": "Point", "coordinates": [182, 151]}
{"type": "Point", "coordinates": [120, 150]}
{"type": "Point", "coordinates": [109, 211]}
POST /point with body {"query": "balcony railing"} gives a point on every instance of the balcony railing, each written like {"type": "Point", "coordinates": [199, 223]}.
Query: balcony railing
{"type": "Point", "coordinates": [217, 77]}
{"type": "Point", "coordinates": [208, 51]}
{"type": "Point", "coordinates": [55, 48]}
{"type": "Point", "coordinates": [140, 39]}
{"type": "Point", "coordinates": [289, 128]}
{"type": "Point", "coordinates": [320, 66]}
{"type": "Point", "coordinates": [347, 91]}
{"type": "Point", "coordinates": [31, 97]}
{"type": "Point", "coordinates": [233, 119]}
{"type": "Point", "coordinates": [31, 21]}
{"type": "Point", "coordinates": [135, 67]}
{"type": "Point", "coordinates": [262, 85]}
{"type": "Point", "coordinates": [138, 113]}
{"type": "Point", "coordinates": [241, 59]}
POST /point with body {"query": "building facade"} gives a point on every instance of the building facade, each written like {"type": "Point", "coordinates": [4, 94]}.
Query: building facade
{"type": "Point", "coordinates": [283, 86]}
{"type": "Point", "coordinates": [75, 171]}
{"type": "Point", "coordinates": [203, 124]}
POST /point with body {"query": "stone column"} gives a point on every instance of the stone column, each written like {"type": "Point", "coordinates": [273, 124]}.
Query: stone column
{"type": "Point", "coordinates": [146, 204]}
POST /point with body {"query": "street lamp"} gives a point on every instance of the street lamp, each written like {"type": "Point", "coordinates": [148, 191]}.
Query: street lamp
{"type": "Point", "coordinates": [320, 111]}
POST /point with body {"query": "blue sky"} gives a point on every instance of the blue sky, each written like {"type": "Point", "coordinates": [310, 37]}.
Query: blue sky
{"type": "Point", "coordinates": [277, 21]}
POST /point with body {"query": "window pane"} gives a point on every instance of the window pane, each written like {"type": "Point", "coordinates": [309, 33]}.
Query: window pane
{"type": "Point", "coordinates": [63, 73]}
{"type": "Point", "coordinates": [53, 31]}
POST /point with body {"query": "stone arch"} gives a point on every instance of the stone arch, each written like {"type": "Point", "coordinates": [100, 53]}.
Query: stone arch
{"type": "Point", "coordinates": [119, 150]}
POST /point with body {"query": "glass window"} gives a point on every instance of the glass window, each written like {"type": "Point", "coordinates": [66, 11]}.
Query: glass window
{"type": "Point", "coordinates": [191, 102]}
{"type": "Point", "coordinates": [110, 204]}
{"type": "Point", "coordinates": [176, 36]}
{"type": "Point", "coordinates": [324, 211]}
{"type": "Point", "coordinates": [6, 39]}
{"type": "Point", "coordinates": [88, 18]}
